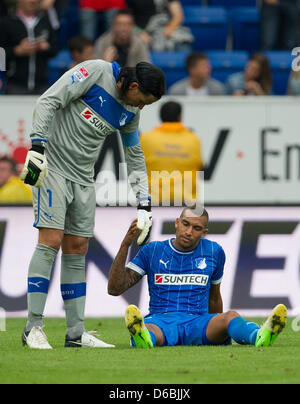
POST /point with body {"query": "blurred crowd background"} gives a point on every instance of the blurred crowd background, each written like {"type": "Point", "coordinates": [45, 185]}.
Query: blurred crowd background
{"type": "Point", "coordinates": [205, 47]}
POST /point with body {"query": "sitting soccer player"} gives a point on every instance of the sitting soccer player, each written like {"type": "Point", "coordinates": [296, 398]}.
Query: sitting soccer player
{"type": "Point", "coordinates": [184, 278]}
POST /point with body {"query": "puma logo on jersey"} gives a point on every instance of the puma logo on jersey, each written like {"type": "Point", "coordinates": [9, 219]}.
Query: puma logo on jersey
{"type": "Point", "coordinates": [164, 263]}
{"type": "Point", "coordinates": [102, 100]}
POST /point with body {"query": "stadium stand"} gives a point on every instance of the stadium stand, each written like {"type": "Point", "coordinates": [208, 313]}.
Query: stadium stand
{"type": "Point", "coordinates": [225, 63]}
{"type": "Point", "coordinates": [226, 30]}
{"type": "Point", "coordinates": [209, 25]}
{"type": "Point", "coordinates": [172, 64]}
{"type": "Point", "coordinates": [69, 24]}
{"type": "Point", "coordinates": [58, 65]}
{"type": "Point", "coordinates": [280, 62]}
{"type": "Point", "coordinates": [244, 23]}
{"type": "Point", "coordinates": [233, 3]}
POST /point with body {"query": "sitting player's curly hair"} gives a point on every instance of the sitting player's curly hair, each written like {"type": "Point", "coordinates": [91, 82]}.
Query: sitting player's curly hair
{"type": "Point", "coordinates": [150, 78]}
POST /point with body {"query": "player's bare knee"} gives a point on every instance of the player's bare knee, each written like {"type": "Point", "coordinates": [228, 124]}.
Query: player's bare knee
{"type": "Point", "coordinates": [229, 315]}
{"type": "Point", "coordinates": [51, 238]}
{"type": "Point", "coordinates": [75, 245]}
{"type": "Point", "coordinates": [157, 332]}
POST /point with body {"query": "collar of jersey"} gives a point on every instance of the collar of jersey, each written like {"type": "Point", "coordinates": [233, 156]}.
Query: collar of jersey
{"type": "Point", "coordinates": [116, 68]}
{"type": "Point", "coordinates": [179, 251]}
{"type": "Point", "coordinates": [172, 127]}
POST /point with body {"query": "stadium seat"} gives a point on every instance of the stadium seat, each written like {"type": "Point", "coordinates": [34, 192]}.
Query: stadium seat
{"type": "Point", "coordinates": [233, 3]}
{"type": "Point", "coordinates": [225, 63]}
{"type": "Point", "coordinates": [69, 26]}
{"type": "Point", "coordinates": [58, 65]}
{"type": "Point", "coordinates": [280, 62]}
{"type": "Point", "coordinates": [172, 64]}
{"type": "Point", "coordinates": [193, 2]}
{"type": "Point", "coordinates": [209, 26]}
{"type": "Point", "coordinates": [245, 28]}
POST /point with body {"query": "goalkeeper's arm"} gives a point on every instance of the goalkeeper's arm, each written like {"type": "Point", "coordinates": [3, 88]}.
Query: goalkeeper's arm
{"type": "Point", "coordinates": [137, 174]}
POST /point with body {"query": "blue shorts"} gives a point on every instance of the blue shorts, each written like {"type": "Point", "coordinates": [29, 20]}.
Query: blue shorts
{"type": "Point", "coordinates": [183, 328]}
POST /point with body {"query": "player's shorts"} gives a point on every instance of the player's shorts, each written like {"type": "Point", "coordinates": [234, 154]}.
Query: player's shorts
{"type": "Point", "coordinates": [62, 204]}
{"type": "Point", "coordinates": [183, 328]}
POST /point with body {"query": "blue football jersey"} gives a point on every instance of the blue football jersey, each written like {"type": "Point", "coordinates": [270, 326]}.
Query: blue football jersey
{"type": "Point", "coordinates": [179, 280]}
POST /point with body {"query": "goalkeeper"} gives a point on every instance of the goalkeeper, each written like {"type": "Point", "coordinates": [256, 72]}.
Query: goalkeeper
{"type": "Point", "coordinates": [184, 277]}
{"type": "Point", "coordinates": [70, 123]}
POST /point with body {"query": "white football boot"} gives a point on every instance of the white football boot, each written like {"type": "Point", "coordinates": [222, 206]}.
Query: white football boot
{"type": "Point", "coordinates": [36, 339]}
{"type": "Point", "coordinates": [87, 340]}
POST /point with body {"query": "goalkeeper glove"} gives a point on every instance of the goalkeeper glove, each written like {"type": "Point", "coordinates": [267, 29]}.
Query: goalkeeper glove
{"type": "Point", "coordinates": [144, 221]}
{"type": "Point", "coordinates": [35, 167]}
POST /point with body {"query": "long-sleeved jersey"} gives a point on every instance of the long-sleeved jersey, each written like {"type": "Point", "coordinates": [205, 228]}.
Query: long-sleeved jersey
{"type": "Point", "coordinates": [76, 114]}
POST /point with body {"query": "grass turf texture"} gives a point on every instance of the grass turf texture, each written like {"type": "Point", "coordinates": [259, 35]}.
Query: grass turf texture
{"type": "Point", "coordinates": [124, 365]}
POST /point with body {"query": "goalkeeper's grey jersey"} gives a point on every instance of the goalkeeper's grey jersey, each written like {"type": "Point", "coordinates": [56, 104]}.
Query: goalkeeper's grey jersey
{"type": "Point", "coordinates": [77, 113]}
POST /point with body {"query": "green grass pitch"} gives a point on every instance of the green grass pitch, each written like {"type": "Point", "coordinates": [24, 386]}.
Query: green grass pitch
{"type": "Point", "coordinates": [124, 365]}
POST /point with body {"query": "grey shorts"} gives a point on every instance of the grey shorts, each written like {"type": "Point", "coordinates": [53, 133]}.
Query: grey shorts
{"type": "Point", "coordinates": [62, 204]}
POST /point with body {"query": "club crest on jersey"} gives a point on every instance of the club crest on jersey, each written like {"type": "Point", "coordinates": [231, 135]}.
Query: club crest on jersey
{"type": "Point", "coordinates": [184, 279]}
{"type": "Point", "coordinates": [123, 118]}
{"type": "Point", "coordinates": [200, 263]}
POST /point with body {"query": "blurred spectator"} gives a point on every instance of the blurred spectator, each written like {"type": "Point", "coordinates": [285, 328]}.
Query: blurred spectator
{"type": "Point", "coordinates": [6, 7]}
{"type": "Point", "coordinates": [161, 24]}
{"type": "Point", "coordinates": [172, 150]}
{"type": "Point", "coordinates": [96, 16]}
{"type": "Point", "coordinates": [29, 41]}
{"type": "Point", "coordinates": [3, 9]}
{"type": "Point", "coordinates": [121, 44]}
{"type": "Point", "coordinates": [199, 81]}
{"type": "Point", "coordinates": [48, 7]}
{"type": "Point", "coordinates": [12, 189]}
{"type": "Point", "coordinates": [279, 20]}
{"type": "Point", "coordinates": [81, 49]}
{"type": "Point", "coordinates": [256, 79]}
{"type": "Point", "coordinates": [294, 83]}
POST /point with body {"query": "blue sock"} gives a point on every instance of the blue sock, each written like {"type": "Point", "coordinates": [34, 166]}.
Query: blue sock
{"type": "Point", "coordinates": [242, 331]}
{"type": "Point", "coordinates": [153, 338]}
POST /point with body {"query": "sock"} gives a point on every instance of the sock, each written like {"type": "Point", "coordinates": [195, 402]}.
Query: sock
{"type": "Point", "coordinates": [73, 291]}
{"type": "Point", "coordinates": [39, 273]}
{"type": "Point", "coordinates": [242, 331]}
{"type": "Point", "coordinates": [153, 338]}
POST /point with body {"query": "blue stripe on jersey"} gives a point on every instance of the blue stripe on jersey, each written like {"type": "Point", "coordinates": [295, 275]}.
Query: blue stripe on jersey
{"type": "Point", "coordinates": [106, 106]}
{"type": "Point", "coordinates": [130, 139]}
{"type": "Point", "coordinates": [72, 290]}
{"type": "Point", "coordinates": [116, 68]}
{"type": "Point", "coordinates": [38, 285]}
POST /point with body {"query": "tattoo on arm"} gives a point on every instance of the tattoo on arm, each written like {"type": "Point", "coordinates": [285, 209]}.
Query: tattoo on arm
{"type": "Point", "coordinates": [120, 277]}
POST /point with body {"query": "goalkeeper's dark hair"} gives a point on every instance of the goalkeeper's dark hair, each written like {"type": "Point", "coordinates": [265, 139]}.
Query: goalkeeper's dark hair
{"type": "Point", "coordinates": [150, 78]}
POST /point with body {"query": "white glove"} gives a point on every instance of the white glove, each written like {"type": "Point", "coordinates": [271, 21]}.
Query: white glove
{"type": "Point", "coordinates": [35, 168]}
{"type": "Point", "coordinates": [144, 223]}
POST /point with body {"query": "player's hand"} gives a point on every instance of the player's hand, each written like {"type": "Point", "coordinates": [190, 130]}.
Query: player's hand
{"type": "Point", "coordinates": [35, 168]}
{"type": "Point", "coordinates": [144, 222]}
{"type": "Point", "coordinates": [131, 234]}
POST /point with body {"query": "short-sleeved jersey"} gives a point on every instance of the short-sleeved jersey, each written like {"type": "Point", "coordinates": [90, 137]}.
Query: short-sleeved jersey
{"type": "Point", "coordinates": [179, 281]}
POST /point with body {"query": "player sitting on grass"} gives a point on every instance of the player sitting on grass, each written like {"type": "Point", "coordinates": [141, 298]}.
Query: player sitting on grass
{"type": "Point", "coordinates": [184, 278]}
